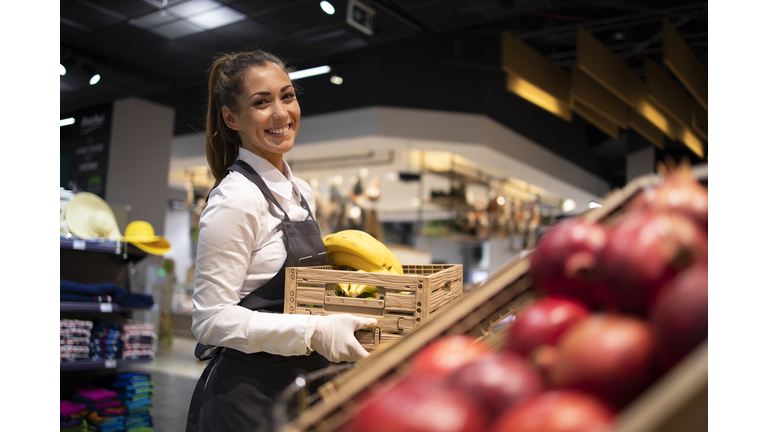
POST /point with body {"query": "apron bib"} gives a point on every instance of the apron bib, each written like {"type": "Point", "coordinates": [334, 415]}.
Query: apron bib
{"type": "Point", "coordinates": [236, 390]}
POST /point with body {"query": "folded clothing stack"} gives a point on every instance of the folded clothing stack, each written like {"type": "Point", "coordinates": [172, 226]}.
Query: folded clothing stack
{"type": "Point", "coordinates": [105, 412]}
{"type": "Point", "coordinates": [135, 390]}
{"type": "Point", "coordinates": [101, 292]}
{"type": "Point", "coordinates": [74, 339]}
{"type": "Point", "coordinates": [105, 342]}
{"type": "Point", "coordinates": [138, 340]}
{"type": "Point", "coordinates": [72, 417]}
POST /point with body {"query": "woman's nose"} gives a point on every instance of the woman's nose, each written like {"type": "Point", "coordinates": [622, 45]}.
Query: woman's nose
{"type": "Point", "coordinates": [279, 111]}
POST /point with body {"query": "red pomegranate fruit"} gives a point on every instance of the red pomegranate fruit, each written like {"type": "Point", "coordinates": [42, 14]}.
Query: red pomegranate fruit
{"type": "Point", "coordinates": [644, 251]}
{"type": "Point", "coordinates": [445, 355]}
{"type": "Point", "coordinates": [679, 192]}
{"type": "Point", "coordinates": [565, 261]}
{"type": "Point", "coordinates": [497, 382]}
{"type": "Point", "coordinates": [680, 315]}
{"type": "Point", "coordinates": [418, 405]}
{"type": "Point", "coordinates": [557, 411]}
{"type": "Point", "coordinates": [609, 356]}
{"type": "Point", "coordinates": [542, 322]}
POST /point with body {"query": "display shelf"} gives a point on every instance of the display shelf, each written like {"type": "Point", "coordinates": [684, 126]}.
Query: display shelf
{"type": "Point", "coordinates": [122, 249]}
{"type": "Point", "coordinates": [100, 364]}
{"type": "Point", "coordinates": [99, 307]}
{"type": "Point", "coordinates": [107, 246]}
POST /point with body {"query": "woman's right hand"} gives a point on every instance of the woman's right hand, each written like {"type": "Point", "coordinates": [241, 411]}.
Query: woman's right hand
{"type": "Point", "coordinates": [333, 336]}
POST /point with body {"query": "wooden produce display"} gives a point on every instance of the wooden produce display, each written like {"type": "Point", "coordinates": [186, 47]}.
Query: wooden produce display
{"type": "Point", "coordinates": [675, 402]}
{"type": "Point", "coordinates": [403, 303]}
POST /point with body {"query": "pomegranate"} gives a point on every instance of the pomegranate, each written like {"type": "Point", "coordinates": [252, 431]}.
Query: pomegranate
{"type": "Point", "coordinates": [445, 355]}
{"type": "Point", "coordinates": [680, 315]}
{"type": "Point", "coordinates": [543, 322]}
{"type": "Point", "coordinates": [565, 261]}
{"type": "Point", "coordinates": [680, 192]}
{"type": "Point", "coordinates": [645, 250]}
{"type": "Point", "coordinates": [418, 405]}
{"type": "Point", "coordinates": [557, 411]}
{"type": "Point", "coordinates": [609, 356]}
{"type": "Point", "coordinates": [497, 382]}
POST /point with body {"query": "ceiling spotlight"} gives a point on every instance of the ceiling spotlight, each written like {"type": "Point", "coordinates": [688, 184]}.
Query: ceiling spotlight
{"type": "Point", "coordinates": [337, 79]}
{"type": "Point", "coordinates": [94, 79]}
{"type": "Point", "coordinates": [67, 121]}
{"type": "Point", "coordinates": [327, 7]}
{"type": "Point", "coordinates": [62, 70]}
{"type": "Point", "coordinates": [568, 205]}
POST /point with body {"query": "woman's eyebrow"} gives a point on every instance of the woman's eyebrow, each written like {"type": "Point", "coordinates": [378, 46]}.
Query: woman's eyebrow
{"type": "Point", "coordinates": [266, 93]}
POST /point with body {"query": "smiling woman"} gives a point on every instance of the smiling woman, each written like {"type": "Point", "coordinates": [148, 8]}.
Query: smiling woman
{"type": "Point", "coordinates": [258, 220]}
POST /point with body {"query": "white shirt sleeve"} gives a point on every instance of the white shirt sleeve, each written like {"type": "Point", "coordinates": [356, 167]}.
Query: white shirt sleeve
{"type": "Point", "coordinates": [230, 228]}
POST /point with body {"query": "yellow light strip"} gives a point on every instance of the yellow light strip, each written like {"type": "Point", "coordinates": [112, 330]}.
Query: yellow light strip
{"type": "Point", "coordinates": [537, 96]}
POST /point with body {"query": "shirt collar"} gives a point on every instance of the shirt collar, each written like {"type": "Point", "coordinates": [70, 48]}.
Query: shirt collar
{"type": "Point", "coordinates": [278, 182]}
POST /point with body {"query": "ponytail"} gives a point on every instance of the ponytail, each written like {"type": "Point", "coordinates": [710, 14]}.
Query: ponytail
{"type": "Point", "coordinates": [224, 85]}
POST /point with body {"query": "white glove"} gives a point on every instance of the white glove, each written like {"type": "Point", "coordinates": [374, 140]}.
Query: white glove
{"type": "Point", "coordinates": [333, 336]}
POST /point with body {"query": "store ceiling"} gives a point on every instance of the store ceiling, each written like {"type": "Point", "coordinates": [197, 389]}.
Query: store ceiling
{"type": "Point", "coordinates": [157, 48]}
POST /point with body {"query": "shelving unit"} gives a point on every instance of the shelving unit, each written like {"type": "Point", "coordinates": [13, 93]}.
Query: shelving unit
{"type": "Point", "coordinates": [81, 365]}
{"type": "Point", "coordinates": [95, 261]}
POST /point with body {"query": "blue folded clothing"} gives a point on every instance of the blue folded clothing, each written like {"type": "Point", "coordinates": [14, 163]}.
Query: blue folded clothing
{"type": "Point", "coordinates": [120, 294]}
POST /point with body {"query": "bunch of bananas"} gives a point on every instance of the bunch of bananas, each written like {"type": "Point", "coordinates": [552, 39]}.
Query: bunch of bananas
{"type": "Point", "coordinates": [362, 252]}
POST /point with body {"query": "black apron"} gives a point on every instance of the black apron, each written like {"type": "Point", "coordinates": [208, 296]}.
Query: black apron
{"type": "Point", "coordinates": [236, 390]}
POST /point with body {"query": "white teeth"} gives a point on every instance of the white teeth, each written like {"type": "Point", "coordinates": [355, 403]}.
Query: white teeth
{"type": "Point", "coordinates": [278, 131]}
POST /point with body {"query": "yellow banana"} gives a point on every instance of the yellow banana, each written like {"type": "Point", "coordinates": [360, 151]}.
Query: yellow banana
{"type": "Point", "coordinates": [380, 255]}
{"type": "Point", "coordinates": [354, 242]}
{"type": "Point", "coordinates": [342, 257]}
{"type": "Point", "coordinates": [342, 289]}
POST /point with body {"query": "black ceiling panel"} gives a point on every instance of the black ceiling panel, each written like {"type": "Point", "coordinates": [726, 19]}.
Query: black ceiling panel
{"type": "Point", "coordinates": [247, 32]}
{"type": "Point", "coordinates": [256, 7]}
{"type": "Point", "coordinates": [88, 17]}
{"type": "Point", "coordinates": [288, 21]}
{"type": "Point", "coordinates": [130, 9]}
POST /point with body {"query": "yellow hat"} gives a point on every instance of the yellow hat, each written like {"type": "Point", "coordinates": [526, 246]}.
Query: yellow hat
{"type": "Point", "coordinates": [142, 235]}
{"type": "Point", "coordinates": [90, 217]}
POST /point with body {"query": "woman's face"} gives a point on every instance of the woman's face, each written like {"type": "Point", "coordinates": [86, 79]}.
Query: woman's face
{"type": "Point", "coordinates": [268, 114]}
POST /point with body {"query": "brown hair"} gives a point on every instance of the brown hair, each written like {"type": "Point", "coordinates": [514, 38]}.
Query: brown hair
{"type": "Point", "coordinates": [224, 85]}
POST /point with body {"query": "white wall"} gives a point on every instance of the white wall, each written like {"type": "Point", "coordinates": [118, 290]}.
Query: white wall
{"type": "Point", "coordinates": [139, 155]}
{"type": "Point", "coordinates": [177, 226]}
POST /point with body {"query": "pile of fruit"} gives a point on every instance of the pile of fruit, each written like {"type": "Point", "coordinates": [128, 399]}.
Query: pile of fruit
{"type": "Point", "coordinates": [620, 305]}
{"type": "Point", "coordinates": [362, 252]}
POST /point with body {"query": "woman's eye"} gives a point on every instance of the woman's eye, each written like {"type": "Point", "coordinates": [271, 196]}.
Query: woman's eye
{"type": "Point", "coordinates": [260, 102]}
{"type": "Point", "coordinates": [288, 96]}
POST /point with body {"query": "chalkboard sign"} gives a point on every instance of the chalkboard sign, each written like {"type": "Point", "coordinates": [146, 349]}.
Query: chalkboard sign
{"type": "Point", "coordinates": [88, 150]}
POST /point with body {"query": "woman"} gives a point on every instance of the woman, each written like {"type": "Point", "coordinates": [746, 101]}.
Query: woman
{"type": "Point", "coordinates": [258, 221]}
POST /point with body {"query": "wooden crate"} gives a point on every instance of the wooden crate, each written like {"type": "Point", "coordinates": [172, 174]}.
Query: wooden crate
{"type": "Point", "coordinates": [676, 402]}
{"type": "Point", "coordinates": [403, 302]}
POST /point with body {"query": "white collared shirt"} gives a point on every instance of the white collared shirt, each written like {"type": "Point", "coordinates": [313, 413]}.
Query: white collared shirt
{"type": "Point", "coordinates": [240, 248]}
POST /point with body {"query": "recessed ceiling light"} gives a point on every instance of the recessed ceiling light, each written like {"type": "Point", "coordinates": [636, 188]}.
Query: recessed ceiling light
{"type": "Point", "coordinates": [94, 79]}
{"type": "Point", "coordinates": [309, 72]}
{"type": "Point", "coordinates": [176, 30]}
{"type": "Point", "coordinates": [192, 8]}
{"type": "Point", "coordinates": [217, 18]}
{"type": "Point", "coordinates": [67, 121]}
{"type": "Point", "coordinates": [327, 7]}
{"type": "Point", "coordinates": [62, 70]}
{"type": "Point", "coordinates": [337, 79]}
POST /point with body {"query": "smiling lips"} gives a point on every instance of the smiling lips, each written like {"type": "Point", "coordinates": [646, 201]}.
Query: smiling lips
{"type": "Point", "coordinates": [279, 131]}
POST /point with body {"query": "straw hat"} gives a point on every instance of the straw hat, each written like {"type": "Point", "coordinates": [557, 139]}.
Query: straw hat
{"type": "Point", "coordinates": [90, 217]}
{"type": "Point", "coordinates": [142, 235]}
